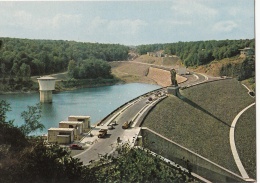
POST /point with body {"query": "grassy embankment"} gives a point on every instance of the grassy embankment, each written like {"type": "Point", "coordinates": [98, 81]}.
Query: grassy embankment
{"type": "Point", "coordinates": [202, 121]}
{"type": "Point", "coordinates": [245, 136]}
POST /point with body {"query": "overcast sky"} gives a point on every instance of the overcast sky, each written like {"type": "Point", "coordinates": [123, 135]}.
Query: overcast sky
{"type": "Point", "coordinates": [129, 22]}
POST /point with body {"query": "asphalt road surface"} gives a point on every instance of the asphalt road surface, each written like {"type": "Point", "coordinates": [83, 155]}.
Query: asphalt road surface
{"type": "Point", "coordinates": [106, 145]}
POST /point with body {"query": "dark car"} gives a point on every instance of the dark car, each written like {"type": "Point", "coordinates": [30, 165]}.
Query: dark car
{"type": "Point", "coordinates": [76, 147]}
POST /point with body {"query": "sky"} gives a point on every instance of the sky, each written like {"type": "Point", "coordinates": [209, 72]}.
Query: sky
{"type": "Point", "coordinates": [128, 22]}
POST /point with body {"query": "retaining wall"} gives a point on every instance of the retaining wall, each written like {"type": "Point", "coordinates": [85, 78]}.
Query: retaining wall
{"type": "Point", "coordinates": [160, 76]}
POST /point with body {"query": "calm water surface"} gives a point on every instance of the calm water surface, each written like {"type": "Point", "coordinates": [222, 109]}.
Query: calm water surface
{"type": "Point", "coordinates": [94, 102]}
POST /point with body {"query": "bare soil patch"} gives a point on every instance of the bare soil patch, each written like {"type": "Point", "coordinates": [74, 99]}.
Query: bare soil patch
{"type": "Point", "coordinates": [131, 72]}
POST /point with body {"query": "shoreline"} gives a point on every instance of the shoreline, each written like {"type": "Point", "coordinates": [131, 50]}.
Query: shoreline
{"type": "Point", "coordinates": [72, 88]}
{"type": "Point", "coordinates": [17, 92]}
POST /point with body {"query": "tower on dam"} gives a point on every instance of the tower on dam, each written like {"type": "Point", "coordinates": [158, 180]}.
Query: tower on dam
{"type": "Point", "coordinates": [46, 86]}
{"type": "Point", "coordinates": [174, 88]}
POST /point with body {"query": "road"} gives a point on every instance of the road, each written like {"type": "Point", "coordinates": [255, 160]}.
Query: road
{"type": "Point", "coordinates": [102, 146]}
{"type": "Point", "coordinates": [198, 78]}
{"type": "Point", "coordinates": [109, 143]}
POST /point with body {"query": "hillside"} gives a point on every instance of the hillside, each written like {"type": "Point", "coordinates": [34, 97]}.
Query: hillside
{"type": "Point", "coordinates": [141, 70]}
{"type": "Point", "coordinates": [214, 67]}
{"type": "Point", "coordinates": [238, 67]}
{"type": "Point", "coordinates": [214, 57]}
{"type": "Point", "coordinates": [131, 72]}
{"type": "Point", "coordinates": [195, 53]}
{"type": "Point", "coordinates": [162, 61]}
{"type": "Point", "coordinates": [22, 58]}
{"type": "Point", "coordinates": [201, 120]}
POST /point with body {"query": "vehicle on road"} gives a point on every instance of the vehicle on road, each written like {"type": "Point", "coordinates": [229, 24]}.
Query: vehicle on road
{"type": "Point", "coordinates": [111, 127]}
{"type": "Point", "coordinates": [76, 147]}
{"type": "Point", "coordinates": [102, 133]}
{"type": "Point", "coordinates": [126, 124]}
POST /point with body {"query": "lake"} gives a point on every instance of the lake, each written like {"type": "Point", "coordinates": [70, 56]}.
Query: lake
{"type": "Point", "coordinates": [94, 102]}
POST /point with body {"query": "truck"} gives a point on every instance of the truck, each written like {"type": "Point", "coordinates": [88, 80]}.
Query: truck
{"type": "Point", "coordinates": [102, 133]}
{"type": "Point", "coordinates": [126, 124]}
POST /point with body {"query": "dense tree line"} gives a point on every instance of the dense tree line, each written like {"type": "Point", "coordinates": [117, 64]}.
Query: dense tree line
{"type": "Point", "coordinates": [200, 52]}
{"type": "Point", "coordinates": [89, 69]}
{"type": "Point", "coordinates": [22, 58]}
{"type": "Point", "coordinates": [41, 57]}
{"type": "Point", "coordinates": [29, 159]}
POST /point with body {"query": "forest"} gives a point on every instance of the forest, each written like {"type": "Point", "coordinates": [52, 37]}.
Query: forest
{"type": "Point", "coordinates": [200, 52]}
{"type": "Point", "coordinates": [22, 58]}
{"type": "Point", "coordinates": [89, 69]}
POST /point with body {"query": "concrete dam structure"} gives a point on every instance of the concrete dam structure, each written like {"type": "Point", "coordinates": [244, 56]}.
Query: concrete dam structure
{"type": "Point", "coordinates": [46, 86]}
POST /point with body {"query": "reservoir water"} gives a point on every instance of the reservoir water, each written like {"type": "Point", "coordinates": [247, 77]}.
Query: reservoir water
{"type": "Point", "coordinates": [94, 102]}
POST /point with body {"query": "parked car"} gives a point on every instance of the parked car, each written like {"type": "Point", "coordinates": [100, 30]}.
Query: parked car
{"type": "Point", "coordinates": [76, 147]}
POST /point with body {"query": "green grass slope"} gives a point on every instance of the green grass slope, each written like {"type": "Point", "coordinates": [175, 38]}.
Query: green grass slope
{"type": "Point", "coordinates": [245, 136]}
{"type": "Point", "coordinates": [223, 99]}
{"type": "Point", "coordinates": [200, 121]}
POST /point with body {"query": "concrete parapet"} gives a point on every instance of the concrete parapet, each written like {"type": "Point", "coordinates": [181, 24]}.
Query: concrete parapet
{"type": "Point", "coordinates": [187, 158]}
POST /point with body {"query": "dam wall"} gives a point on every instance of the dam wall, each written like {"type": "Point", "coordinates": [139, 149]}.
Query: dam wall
{"type": "Point", "coordinates": [187, 158]}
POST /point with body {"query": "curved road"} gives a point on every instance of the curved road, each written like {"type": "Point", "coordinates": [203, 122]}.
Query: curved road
{"type": "Point", "coordinates": [108, 144]}
{"type": "Point", "coordinates": [198, 78]}
{"type": "Point", "coordinates": [128, 112]}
